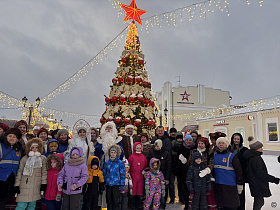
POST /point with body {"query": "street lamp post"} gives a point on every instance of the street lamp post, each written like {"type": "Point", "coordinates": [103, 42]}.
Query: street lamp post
{"type": "Point", "coordinates": [160, 116]}
{"type": "Point", "coordinates": [165, 114]}
{"type": "Point", "coordinates": [30, 108]}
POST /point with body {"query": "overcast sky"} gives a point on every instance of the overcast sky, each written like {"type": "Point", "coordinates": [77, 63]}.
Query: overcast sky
{"type": "Point", "coordinates": [43, 43]}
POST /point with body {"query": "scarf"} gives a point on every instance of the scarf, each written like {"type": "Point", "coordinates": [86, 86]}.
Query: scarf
{"type": "Point", "coordinates": [201, 150]}
{"type": "Point", "coordinates": [75, 162]}
{"type": "Point", "coordinates": [34, 161]}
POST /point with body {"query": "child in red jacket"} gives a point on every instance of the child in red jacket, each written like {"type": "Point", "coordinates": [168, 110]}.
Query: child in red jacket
{"type": "Point", "coordinates": [53, 195]}
{"type": "Point", "coordinates": [138, 163]}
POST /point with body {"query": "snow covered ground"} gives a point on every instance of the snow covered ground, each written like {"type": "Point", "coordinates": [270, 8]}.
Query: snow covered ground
{"type": "Point", "coordinates": [270, 203]}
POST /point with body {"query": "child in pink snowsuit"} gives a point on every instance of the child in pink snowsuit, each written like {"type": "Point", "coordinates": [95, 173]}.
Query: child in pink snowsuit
{"type": "Point", "coordinates": [154, 185]}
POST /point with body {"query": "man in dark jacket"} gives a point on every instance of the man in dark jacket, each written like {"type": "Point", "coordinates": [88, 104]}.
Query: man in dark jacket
{"type": "Point", "coordinates": [258, 176]}
{"type": "Point", "coordinates": [128, 139]}
{"type": "Point", "coordinates": [160, 153]}
{"type": "Point", "coordinates": [165, 140]}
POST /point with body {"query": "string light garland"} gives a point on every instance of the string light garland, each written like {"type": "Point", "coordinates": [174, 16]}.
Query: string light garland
{"type": "Point", "coordinates": [182, 14]}
{"type": "Point", "coordinates": [102, 55]}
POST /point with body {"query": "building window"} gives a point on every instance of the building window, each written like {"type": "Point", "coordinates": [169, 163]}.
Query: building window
{"type": "Point", "coordinates": [221, 129]}
{"type": "Point", "coordinates": [272, 130]}
{"type": "Point", "coordinates": [240, 130]}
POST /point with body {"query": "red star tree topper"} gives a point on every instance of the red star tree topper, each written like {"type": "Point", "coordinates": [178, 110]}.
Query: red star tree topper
{"type": "Point", "coordinates": [132, 12]}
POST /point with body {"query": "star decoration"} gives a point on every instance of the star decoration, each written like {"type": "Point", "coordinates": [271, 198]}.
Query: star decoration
{"type": "Point", "coordinates": [185, 96]}
{"type": "Point", "coordinates": [132, 12]}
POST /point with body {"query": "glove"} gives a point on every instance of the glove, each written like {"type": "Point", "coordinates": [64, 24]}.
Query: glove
{"type": "Point", "coordinates": [239, 188]}
{"type": "Point", "coordinates": [130, 191]}
{"type": "Point", "coordinates": [147, 190]}
{"type": "Point", "coordinates": [276, 180]}
{"type": "Point", "coordinates": [191, 195]}
{"type": "Point", "coordinates": [43, 187]}
{"type": "Point", "coordinates": [183, 159]}
{"type": "Point", "coordinates": [58, 197]}
{"type": "Point", "coordinates": [121, 187]}
{"type": "Point", "coordinates": [204, 172]}
{"type": "Point", "coordinates": [17, 190]}
{"type": "Point", "coordinates": [166, 182]}
{"type": "Point", "coordinates": [84, 190]}
{"type": "Point", "coordinates": [74, 187]}
{"type": "Point", "coordinates": [59, 187]}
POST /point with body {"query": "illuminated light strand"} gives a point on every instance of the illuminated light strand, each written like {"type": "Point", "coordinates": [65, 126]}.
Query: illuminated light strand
{"type": "Point", "coordinates": [102, 55]}
{"type": "Point", "coordinates": [180, 14]}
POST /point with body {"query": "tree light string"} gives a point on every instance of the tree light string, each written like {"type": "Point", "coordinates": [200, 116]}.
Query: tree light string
{"type": "Point", "coordinates": [181, 14]}
{"type": "Point", "coordinates": [103, 54]}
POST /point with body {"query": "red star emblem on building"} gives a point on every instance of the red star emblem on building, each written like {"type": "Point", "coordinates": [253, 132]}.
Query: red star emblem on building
{"type": "Point", "coordinates": [185, 96]}
{"type": "Point", "coordinates": [132, 12]}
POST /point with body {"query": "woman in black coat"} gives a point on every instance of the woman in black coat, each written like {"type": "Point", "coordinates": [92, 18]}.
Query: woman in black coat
{"type": "Point", "coordinates": [257, 175]}
{"type": "Point", "coordinates": [237, 148]}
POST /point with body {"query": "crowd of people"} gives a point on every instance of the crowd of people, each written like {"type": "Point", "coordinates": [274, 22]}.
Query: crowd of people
{"type": "Point", "coordinates": [49, 170]}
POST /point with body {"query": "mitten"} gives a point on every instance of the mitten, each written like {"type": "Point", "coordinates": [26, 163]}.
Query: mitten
{"type": "Point", "coordinates": [59, 187]}
{"type": "Point", "coordinates": [121, 187]}
{"type": "Point", "coordinates": [162, 190]}
{"type": "Point", "coordinates": [183, 159]}
{"type": "Point", "coordinates": [166, 182]}
{"type": "Point", "coordinates": [204, 172]}
{"type": "Point", "coordinates": [74, 187]}
{"type": "Point", "coordinates": [147, 190]}
{"type": "Point", "coordinates": [101, 187]}
{"type": "Point", "coordinates": [191, 195]}
{"type": "Point", "coordinates": [130, 191]}
{"type": "Point", "coordinates": [276, 180]}
{"type": "Point", "coordinates": [17, 190]}
{"type": "Point", "coordinates": [58, 197]}
{"type": "Point", "coordinates": [239, 188]}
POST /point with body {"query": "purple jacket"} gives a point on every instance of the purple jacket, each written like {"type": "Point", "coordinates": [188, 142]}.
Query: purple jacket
{"type": "Point", "coordinates": [74, 171]}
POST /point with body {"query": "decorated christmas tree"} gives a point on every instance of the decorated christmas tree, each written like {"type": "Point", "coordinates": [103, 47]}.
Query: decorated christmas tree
{"type": "Point", "coordinates": [130, 100]}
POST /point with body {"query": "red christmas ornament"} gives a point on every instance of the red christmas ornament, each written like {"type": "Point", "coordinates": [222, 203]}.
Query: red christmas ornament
{"type": "Point", "coordinates": [118, 120]}
{"type": "Point", "coordinates": [138, 79]}
{"type": "Point", "coordinates": [107, 100]}
{"type": "Point", "coordinates": [123, 60]}
{"type": "Point", "coordinates": [140, 97]}
{"type": "Point", "coordinates": [110, 118]}
{"type": "Point", "coordinates": [145, 83]}
{"type": "Point", "coordinates": [129, 79]}
{"type": "Point", "coordinates": [153, 122]}
{"type": "Point", "coordinates": [141, 62]}
{"type": "Point", "coordinates": [152, 104]}
{"type": "Point", "coordinates": [114, 99]}
{"type": "Point", "coordinates": [120, 80]}
{"type": "Point", "coordinates": [132, 98]}
{"type": "Point", "coordinates": [127, 121]}
{"type": "Point", "coordinates": [149, 123]}
{"type": "Point", "coordinates": [102, 120]}
{"type": "Point", "coordinates": [114, 81]}
{"type": "Point", "coordinates": [137, 122]}
{"type": "Point", "coordinates": [122, 98]}
{"type": "Point", "coordinates": [146, 101]}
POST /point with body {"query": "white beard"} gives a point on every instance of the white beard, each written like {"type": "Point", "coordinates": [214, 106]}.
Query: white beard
{"type": "Point", "coordinates": [109, 139]}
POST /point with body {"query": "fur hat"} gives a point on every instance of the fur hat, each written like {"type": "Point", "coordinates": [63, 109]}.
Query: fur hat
{"type": "Point", "coordinates": [223, 139]}
{"type": "Point", "coordinates": [36, 128]}
{"type": "Point", "coordinates": [204, 140]}
{"type": "Point", "coordinates": [14, 131]}
{"type": "Point", "coordinates": [118, 149]}
{"type": "Point", "coordinates": [42, 130]}
{"type": "Point", "coordinates": [254, 144]}
{"type": "Point", "coordinates": [81, 128]}
{"type": "Point", "coordinates": [196, 155]}
{"type": "Point", "coordinates": [188, 136]}
{"type": "Point", "coordinates": [61, 131]}
{"type": "Point", "coordinates": [19, 123]}
{"type": "Point", "coordinates": [57, 158]}
{"type": "Point", "coordinates": [34, 141]}
{"type": "Point", "coordinates": [173, 130]}
{"type": "Point", "coordinates": [4, 127]}
{"type": "Point", "coordinates": [128, 126]}
{"type": "Point", "coordinates": [158, 143]}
